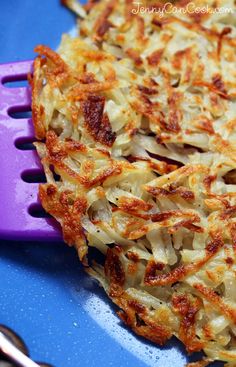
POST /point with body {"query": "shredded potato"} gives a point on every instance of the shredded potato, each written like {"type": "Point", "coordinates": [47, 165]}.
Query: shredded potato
{"type": "Point", "coordinates": [137, 118]}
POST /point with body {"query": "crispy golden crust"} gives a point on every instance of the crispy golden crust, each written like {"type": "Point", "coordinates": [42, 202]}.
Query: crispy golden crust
{"type": "Point", "coordinates": [65, 206]}
{"type": "Point", "coordinates": [133, 315]}
{"type": "Point", "coordinates": [151, 278]}
{"type": "Point", "coordinates": [137, 118]}
{"type": "Point", "coordinates": [96, 121]}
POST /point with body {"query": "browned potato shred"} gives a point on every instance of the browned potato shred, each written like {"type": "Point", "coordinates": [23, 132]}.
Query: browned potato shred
{"type": "Point", "coordinates": [137, 116]}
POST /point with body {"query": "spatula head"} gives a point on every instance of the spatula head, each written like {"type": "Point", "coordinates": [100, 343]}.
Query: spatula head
{"type": "Point", "coordinates": [22, 216]}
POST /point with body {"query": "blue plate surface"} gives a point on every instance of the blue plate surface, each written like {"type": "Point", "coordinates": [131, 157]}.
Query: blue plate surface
{"type": "Point", "coordinates": [63, 316]}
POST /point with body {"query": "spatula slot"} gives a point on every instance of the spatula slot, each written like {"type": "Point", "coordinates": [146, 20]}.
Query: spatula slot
{"type": "Point", "coordinates": [33, 176]}
{"type": "Point", "coordinates": [16, 83]}
{"type": "Point", "coordinates": [25, 143]}
{"type": "Point", "coordinates": [37, 211]}
{"type": "Point", "coordinates": [20, 112]}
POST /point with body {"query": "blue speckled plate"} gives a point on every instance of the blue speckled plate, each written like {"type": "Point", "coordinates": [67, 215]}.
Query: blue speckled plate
{"type": "Point", "coordinates": [63, 316]}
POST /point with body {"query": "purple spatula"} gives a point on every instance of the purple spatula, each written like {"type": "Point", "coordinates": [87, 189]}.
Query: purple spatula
{"type": "Point", "coordinates": [21, 215]}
